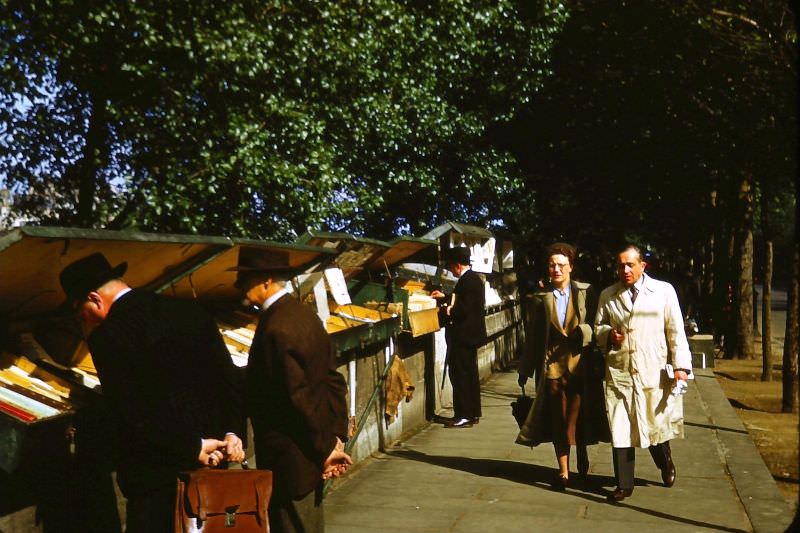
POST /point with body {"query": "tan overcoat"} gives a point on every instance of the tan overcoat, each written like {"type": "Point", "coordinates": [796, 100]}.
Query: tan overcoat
{"type": "Point", "coordinates": [641, 409]}
{"type": "Point", "coordinates": [592, 426]}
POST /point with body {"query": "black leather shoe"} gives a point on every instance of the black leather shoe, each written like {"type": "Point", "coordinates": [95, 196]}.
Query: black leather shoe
{"type": "Point", "coordinates": [439, 419]}
{"type": "Point", "coordinates": [619, 494]}
{"type": "Point", "coordinates": [475, 420]}
{"type": "Point", "coordinates": [668, 473]}
{"type": "Point", "coordinates": [560, 483]}
{"type": "Point", "coordinates": [461, 423]}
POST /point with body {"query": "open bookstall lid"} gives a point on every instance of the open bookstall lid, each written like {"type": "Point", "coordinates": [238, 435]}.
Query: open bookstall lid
{"type": "Point", "coordinates": [354, 254]}
{"type": "Point", "coordinates": [213, 279]}
{"type": "Point", "coordinates": [406, 248]}
{"type": "Point", "coordinates": [31, 259]}
{"type": "Point", "coordinates": [458, 227]}
{"type": "Point", "coordinates": [359, 254]}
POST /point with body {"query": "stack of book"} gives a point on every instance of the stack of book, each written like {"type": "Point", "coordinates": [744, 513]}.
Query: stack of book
{"type": "Point", "coordinates": [237, 330]}
{"type": "Point", "coordinates": [28, 393]}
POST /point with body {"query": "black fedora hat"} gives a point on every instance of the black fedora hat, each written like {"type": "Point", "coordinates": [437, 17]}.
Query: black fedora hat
{"type": "Point", "coordinates": [253, 261]}
{"type": "Point", "coordinates": [457, 254]}
{"type": "Point", "coordinates": [81, 277]}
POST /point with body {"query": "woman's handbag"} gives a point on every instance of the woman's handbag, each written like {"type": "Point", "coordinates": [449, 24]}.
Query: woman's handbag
{"type": "Point", "coordinates": [521, 407]}
{"type": "Point", "coordinates": [222, 501]}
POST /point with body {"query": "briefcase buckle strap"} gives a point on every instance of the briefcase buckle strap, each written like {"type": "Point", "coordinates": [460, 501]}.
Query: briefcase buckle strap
{"type": "Point", "coordinates": [230, 516]}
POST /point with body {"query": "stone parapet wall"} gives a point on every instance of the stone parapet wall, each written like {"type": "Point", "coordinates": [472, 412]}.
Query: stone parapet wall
{"type": "Point", "coordinates": [424, 359]}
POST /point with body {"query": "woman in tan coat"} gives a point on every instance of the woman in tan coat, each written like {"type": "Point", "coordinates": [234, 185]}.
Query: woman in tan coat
{"type": "Point", "coordinates": [568, 409]}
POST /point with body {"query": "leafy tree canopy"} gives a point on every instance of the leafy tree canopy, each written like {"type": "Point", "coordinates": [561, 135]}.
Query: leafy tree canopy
{"type": "Point", "coordinates": [651, 107]}
{"type": "Point", "coordinates": [263, 118]}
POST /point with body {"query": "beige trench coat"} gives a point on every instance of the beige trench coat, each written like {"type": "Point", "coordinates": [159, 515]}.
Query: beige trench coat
{"type": "Point", "coordinates": [641, 409]}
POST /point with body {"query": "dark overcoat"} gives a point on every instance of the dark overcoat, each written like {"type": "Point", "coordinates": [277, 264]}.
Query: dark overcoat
{"type": "Point", "coordinates": [592, 421]}
{"type": "Point", "coordinates": [296, 398]}
{"type": "Point", "coordinates": [467, 324]}
{"type": "Point", "coordinates": [465, 333]}
{"type": "Point", "coordinates": [169, 381]}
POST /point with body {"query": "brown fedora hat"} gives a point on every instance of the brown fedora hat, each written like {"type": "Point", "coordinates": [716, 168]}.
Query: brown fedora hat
{"type": "Point", "coordinates": [253, 261]}
{"type": "Point", "coordinates": [81, 277]}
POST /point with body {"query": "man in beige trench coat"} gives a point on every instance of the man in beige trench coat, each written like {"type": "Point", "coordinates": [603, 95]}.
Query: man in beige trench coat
{"type": "Point", "coordinates": [640, 327]}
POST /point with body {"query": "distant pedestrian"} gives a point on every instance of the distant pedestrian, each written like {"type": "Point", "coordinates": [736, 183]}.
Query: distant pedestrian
{"type": "Point", "coordinates": [640, 325]}
{"type": "Point", "coordinates": [464, 334]}
{"type": "Point", "coordinates": [559, 348]}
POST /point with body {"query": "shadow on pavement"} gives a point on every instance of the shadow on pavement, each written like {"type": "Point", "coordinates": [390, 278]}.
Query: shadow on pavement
{"type": "Point", "coordinates": [739, 405]}
{"type": "Point", "coordinates": [514, 471]}
{"type": "Point", "coordinates": [688, 521]}
{"type": "Point", "coordinates": [726, 375]}
{"type": "Point", "coordinates": [489, 393]}
{"type": "Point", "coordinates": [540, 476]}
{"type": "Point", "coordinates": [718, 428]}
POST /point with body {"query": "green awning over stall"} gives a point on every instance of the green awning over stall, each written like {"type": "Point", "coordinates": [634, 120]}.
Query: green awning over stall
{"type": "Point", "coordinates": [31, 259]}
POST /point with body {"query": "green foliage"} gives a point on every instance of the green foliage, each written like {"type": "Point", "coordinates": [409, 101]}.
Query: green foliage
{"type": "Point", "coordinates": [264, 118]}
{"type": "Point", "coordinates": [760, 38]}
{"type": "Point", "coordinates": [652, 107]}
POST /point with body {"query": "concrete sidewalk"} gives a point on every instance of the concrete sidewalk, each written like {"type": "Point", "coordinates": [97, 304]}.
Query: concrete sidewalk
{"type": "Point", "coordinates": [478, 480]}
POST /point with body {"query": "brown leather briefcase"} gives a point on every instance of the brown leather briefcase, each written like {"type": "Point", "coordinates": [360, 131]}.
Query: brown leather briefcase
{"type": "Point", "coordinates": [223, 501]}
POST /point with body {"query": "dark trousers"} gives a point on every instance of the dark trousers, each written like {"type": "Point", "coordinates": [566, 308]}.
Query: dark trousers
{"type": "Point", "coordinates": [625, 462]}
{"type": "Point", "coordinates": [463, 362]}
{"type": "Point", "coordinates": [297, 516]}
{"type": "Point", "coordinates": [153, 512]}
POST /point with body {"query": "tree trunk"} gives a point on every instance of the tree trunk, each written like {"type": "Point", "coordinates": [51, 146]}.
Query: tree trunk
{"type": "Point", "coordinates": [755, 306]}
{"type": "Point", "coordinates": [708, 308]}
{"type": "Point", "coordinates": [791, 344]}
{"type": "Point", "coordinates": [766, 315]}
{"type": "Point", "coordinates": [730, 303]}
{"type": "Point", "coordinates": [744, 309]}
{"type": "Point", "coordinates": [724, 294]}
{"type": "Point", "coordinates": [744, 289]}
{"type": "Point", "coordinates": [95, 157]}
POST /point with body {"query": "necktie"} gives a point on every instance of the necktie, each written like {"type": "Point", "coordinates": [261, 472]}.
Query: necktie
{"type": "Point", "coordinates": [634, 294]}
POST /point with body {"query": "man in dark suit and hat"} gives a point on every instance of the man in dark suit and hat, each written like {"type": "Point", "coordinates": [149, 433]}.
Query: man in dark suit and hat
{"type": "Point", "coordinates": [464, 334]}
{"type": "Point", "coordinates": [295, 396]}
{"type": "Point", "coordinates": [169, 381]}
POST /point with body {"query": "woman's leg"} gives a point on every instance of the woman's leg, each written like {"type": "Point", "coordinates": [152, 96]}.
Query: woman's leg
{"type": "Point", "coordinates": [557, 399]}
{"type": "Point", "coordinates": [573, 397]}
{"type": "Point", "coordinates": [572, 407]}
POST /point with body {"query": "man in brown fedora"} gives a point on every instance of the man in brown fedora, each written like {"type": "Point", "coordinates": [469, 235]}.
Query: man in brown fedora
{"type": "Point", "coordinates": [465, 332]}
{"type": "Point", "coordinates": [295, 397]}
{"type": "Point", "coordinates": [169, 381]}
